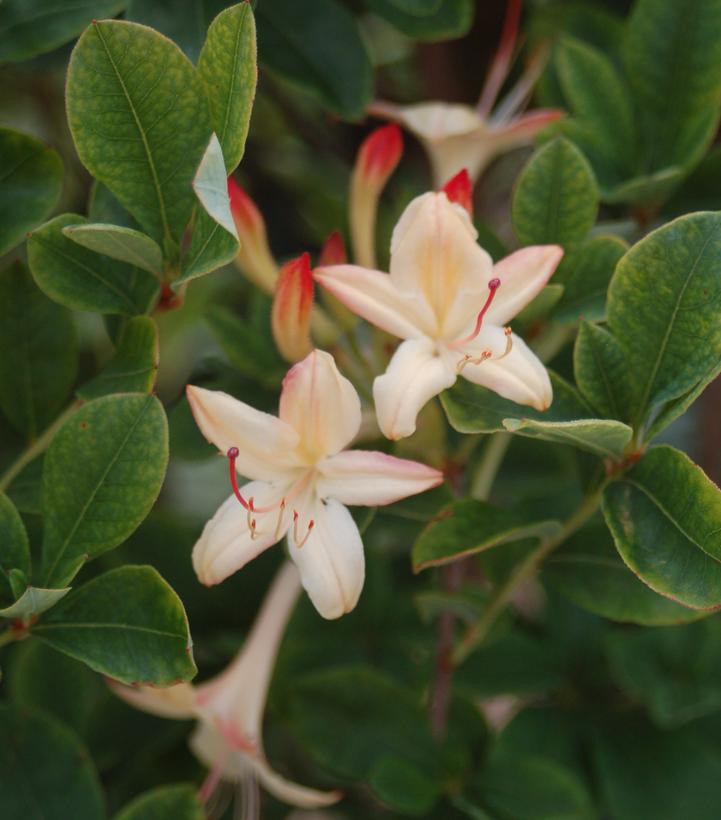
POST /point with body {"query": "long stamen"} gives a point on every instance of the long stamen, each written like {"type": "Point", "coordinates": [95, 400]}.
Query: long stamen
{"type": "Point", "coordinates": [493, 286]}
{"type": "Point", "coordinates": [252, 523]}
{"type": "Point", "coordinates": [502, 58]}
{"type": "Point", "coordinates": [298, 542]}
{"type": "Point", "coordinates": [468, 359]}
{"type": "Point", "coordinates": [233, 454]}
{"type": "Point", "coordinates": [509, 343]}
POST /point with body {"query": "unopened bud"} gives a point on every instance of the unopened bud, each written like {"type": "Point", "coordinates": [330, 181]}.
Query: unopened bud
{"type": "Point", "coordinates": [292, 306]}
{"type": "Point", "coordinates": [377, 158]}
{"type": "Point", "coordinates": [333, 251]}
{"type": "Point", "coordinates": [459, 189]}
{"type": "Point", "coordinates": [254, 258]}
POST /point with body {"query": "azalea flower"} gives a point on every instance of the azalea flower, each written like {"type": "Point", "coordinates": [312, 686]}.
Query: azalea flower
{"type": "Point", "coordinates": [457, 136]}
{"type": "Point", "coordinates": [302, 480]}
{"type": "Point", "coordinates": [229, 708]}
{"type": "Point", "coordinates": [449, 303]}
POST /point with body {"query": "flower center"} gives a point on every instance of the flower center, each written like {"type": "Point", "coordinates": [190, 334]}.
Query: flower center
{"type": "Point", "coordinates": [493, 286]}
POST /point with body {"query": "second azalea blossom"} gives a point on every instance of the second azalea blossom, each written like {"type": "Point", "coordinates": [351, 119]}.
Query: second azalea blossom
{"type": "Point", "coordinates": [449, 303]}
{"type": "Point", "coordinates": [302, 480]}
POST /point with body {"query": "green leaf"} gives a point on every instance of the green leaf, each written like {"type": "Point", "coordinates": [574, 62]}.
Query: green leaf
{"type": "Point", "coordinates": [29, 29]}
{"type": "Point", "coordinates": [140, 121]}
{"type": "Point", "coordinates": [125, 244]}
{"type": "Point", "coordinates": [45, 774]}
{"type": "Point", "coordinates": [664, 307]}
{"type": "Point", "coordinates": [134, 366]}
{"type": "Point", "coordinates": [39, 353]}
{"type": "Point", "coordinates": [588, 571]}
{"type": "Point", "coordinates": [665, 517]}
{"type": "Point", "coordinates": [672, 57]}
{"type": "Point", "coordinates": [401, 786]}
{"type": "Point", "coordinates": [33, 602]}
{"type": "Point", "coordinates": [646, 189]}
{"type": "Point", "coordinates": [601, 371]}
{"type": "Point", "coordinates": [227, 68]}
{"type": "Point", "coordinates": [452, 19]}
{"type": "Point", "coordinates": [419, 7]}
{"type": "Point", "coordinates": [466, 527]}
{"type": "Point", "coordinates": [316, 45]}
{"type": "Point", "coordinates": [104, 208]}
{"type": "Point", "coordinates": [602, 437]}
{"type": "Point", "coordinates": [30, 181]}
{"type": "Point", "coordinates": [14, 546]}
{"type": "Point", "coordinates": [128, 624]}
{"type": "Point", "coordinates": [585, 274]}
{"type": "Point", "coordinates": [164, 803]}
{"type": "Point", "coordinates": [81, 279]}
{"type": "Point", "coordinates": [556, 197]}
{"type": "Point", "coordinates": [102, 474]}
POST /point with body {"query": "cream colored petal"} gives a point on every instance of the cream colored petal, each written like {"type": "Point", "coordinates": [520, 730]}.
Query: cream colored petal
{"type": "Point", "coordinates": [373, 296]}
{"type": "Point", "coordinates": [331, 561]}
{"type": "Point", "coordinates": [434, 252]}
{"type": "Point", "coordinates": [321, 405]}
{"type": "Point", "coordinates": [173, 702]}
{"type": "Point", "coordinates": [226, 544]}
{"type": "Point", "coordinates": [266, 445]}
{"type": "Point", "coordinates": [415, 374]}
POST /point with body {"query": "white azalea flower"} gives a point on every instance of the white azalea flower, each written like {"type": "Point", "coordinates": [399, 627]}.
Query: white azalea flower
{"type": "Point", "coordinates": [229, 708]}
{"type": "Point", "coordinates": [449, 303]}
{"type": "Point", "coordinates": [302, 480]}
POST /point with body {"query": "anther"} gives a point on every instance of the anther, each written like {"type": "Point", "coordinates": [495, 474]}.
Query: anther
{"type": "Point", "coordinates": [233, 454]}
{"type": "Point", "coordinates": [468, 359]}
{"type": "Point", "coordinates": [298, 542]}
{"type": "Point", "coordinates": [493, 286]}
{"type": "Point", "coordinates": [509, 343]}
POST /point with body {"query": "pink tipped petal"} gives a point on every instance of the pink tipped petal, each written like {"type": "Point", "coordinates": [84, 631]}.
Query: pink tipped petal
{"type": "Point", "coordinates": [331, 561]}
{"type": "Point", "coordinates": [502, 58]}
{"type": "Point", "coordinates": [373, 296]}
{"type": "Point", "coordinates": [522, 129]}
{"type": "Point", "coordinates": [226, 544]}
{"type": "Point", "coordinates": [415, 374]}
{"type": "Point", "coordinates": [434, 252]}
{"type": "Point", "coordinates": [367, 478]}
{"type": "Point", "coordinates": [321, 405]}
{"type": "Point", "coordinates": [520, 376]}
{"type": "Point", "coordinates": [292, 793]}
{"type": "Point", "coordinates": [523, 275]}
{"type": "Point", "coordinates": [266, 445]}
{"type": "Point", "coordinates": [176, 702]}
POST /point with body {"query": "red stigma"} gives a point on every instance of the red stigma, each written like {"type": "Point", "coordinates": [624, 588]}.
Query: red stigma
{"type": "Point", "coordinates": [232, 454]}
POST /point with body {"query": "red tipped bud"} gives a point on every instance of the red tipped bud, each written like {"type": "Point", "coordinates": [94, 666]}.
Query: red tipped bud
{"type": "Point", "coordinates": [333, 251]}
{"type": "Point", "coordinates": [459, 189]}
{"type": "Point", "coordinates": [379, 154]}
{"type": "Point", "coordinates": [254, 257]}
{"type": "Point", "coordinates": [245, 212]}
{"type": "Point", "coordinates": [292, 305]}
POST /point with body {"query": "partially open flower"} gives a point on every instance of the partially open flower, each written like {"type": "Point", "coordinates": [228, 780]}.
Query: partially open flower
{"type": "Point", "coordinates": [458, 136]}
{"type": "Point", "coordinates": [254, 257]}
{"type": "Point", "coordinates": [449, 303]}
{"type": "Point", "coordinates": [292, 306]}
{"type": "Point", "coordinates": [229, 708]}
{"type": "Point", "coordinates": [302, 480]}
{"type": "Point", "coordinates": [459, 189]}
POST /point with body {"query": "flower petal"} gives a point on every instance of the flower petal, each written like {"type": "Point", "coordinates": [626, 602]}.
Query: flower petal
{"type": "Point", "coordinates": [321, 405]}
{"type": "Point", "coordinates": [364, 477]}
{"type": "Point", "coordinates": [415, 374]}
{"type": "Point", "coordinates": [226, 545]}
{"type": "Point", "coordinates": [292, 793]}
{"type": "Point", "coordinates": [523, 275]}
{"type": "Point", "coordinates": [266, 445]}
{"type": "Point", "coordinates": [331, 561]}
{"type": "Point", "coordinates": [520, 376]}
{"type": "Point", "coordinates": [373, 296]}
{"type": "Point", "coordinates": [434, 252]}
{"type": "Point", "coordinates": [172, 702]}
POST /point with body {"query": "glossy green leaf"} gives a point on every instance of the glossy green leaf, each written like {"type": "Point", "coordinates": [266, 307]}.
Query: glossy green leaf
{"type": "Point", "coordinates": [556, 196]}
{"type": "Point", "coordinates": [28, 29]}
{"type": "Point", "coordinates": [650, 188]}
{"type": "Point", "coordinates": [317, 46]}
{"type": "Point", "coordinates": [469, 526]}
{"type": "Point", "coordinates": [164, 803]}
{"type": "Point", "coordinates": [664, 307]}
{"type": "Point", "coordinates": [451, 19]}
{"type": "Point", "coordinates": [419, 7]}
{"type": "Point", "coordinates": [81, 279]}
{"type": "Point", "coordinates": [140, 121]}
{"type": "Point", "coordinates": [134, 366]}
{"type": "Point", "coordinates": [125, 244]}
{"type": "Point", "coordinates": [102, 474]}
{"type": "Point", "coordinates": [601, 371]}
{"type": "Point", "coordinates": [30, 181]}
{"type": "Point", "coordinates": [104, 208]}
{"type": "Point", "coordinates": [14, 547]}
{"type": "Point", "coordinates": [227, 69]}
{"type": "Point", "coordinates": [128, 624]}
{"type": "Point", "coordinates": [33, 602]}
{"type": "Point", "coordinates": [402, 786]}
{"type": "Point", "coordinates": [45, 773]}
{"type": "Point", "coordinates": [602, 437]}
{"type": "Point", "coordinates": [665, 517]}
{"type": "Point", "coordinates": [588, 571]}
{"type": "Point", "coordinates": [39, 353]}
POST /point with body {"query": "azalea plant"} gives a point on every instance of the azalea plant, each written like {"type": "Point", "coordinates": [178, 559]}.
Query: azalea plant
{"type": "Point", "coordinates": [355, 434]}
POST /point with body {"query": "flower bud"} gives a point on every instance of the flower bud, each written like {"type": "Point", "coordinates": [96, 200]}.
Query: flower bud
{"type": "Point", "coordinates": [377, 158]}
{"type": "Point", "coordinates": [459, 189]}
{"type": "Point", "coordinates": [333, 251]}
{"type": "Point", "coordinates": [292, 306]}
{"type": "Point", "coordinates": [254, 258]}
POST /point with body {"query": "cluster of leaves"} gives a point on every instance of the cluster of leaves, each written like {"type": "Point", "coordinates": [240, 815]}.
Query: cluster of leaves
{"type": "Point", "coordinates": [610, 719]}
